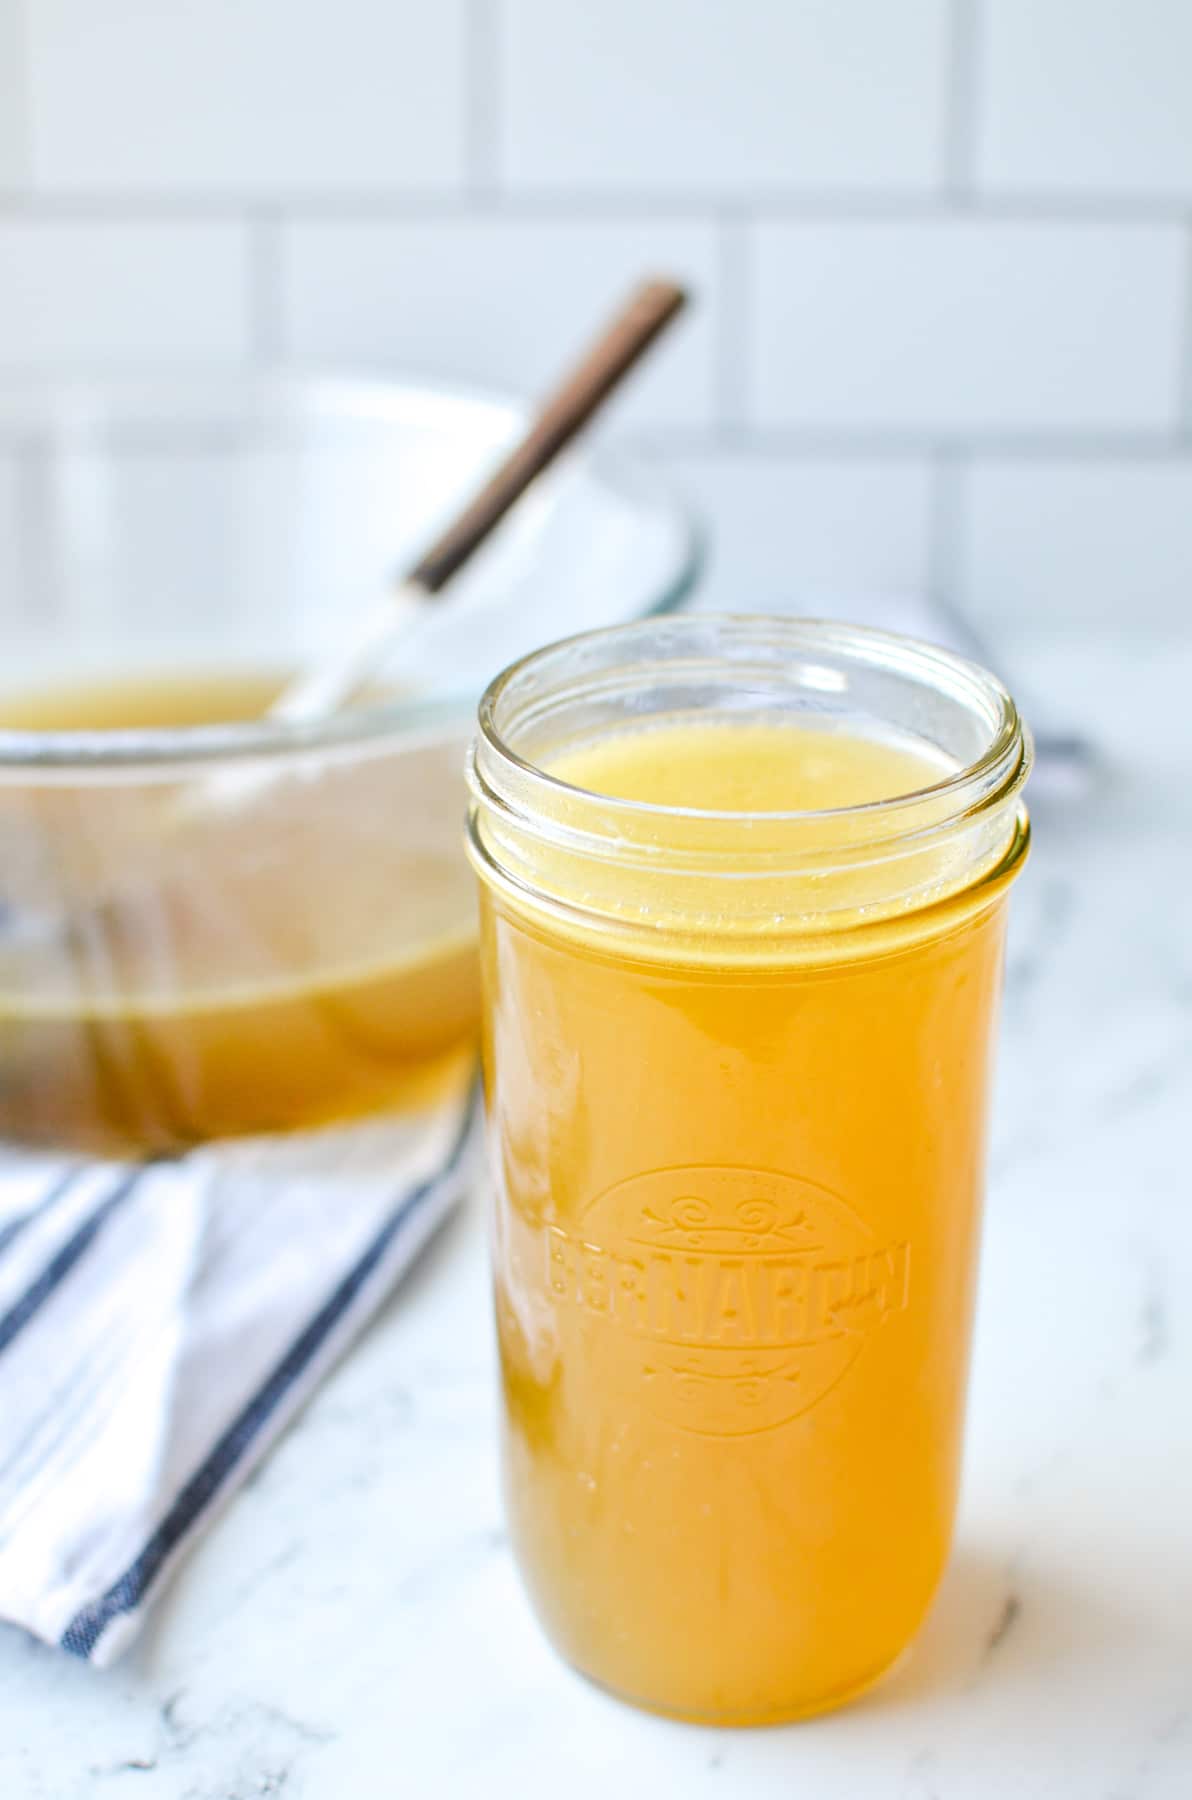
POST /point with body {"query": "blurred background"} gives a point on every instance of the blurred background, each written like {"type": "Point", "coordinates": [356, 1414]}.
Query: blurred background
{"type": "Point", "coordinates": [942, 251]}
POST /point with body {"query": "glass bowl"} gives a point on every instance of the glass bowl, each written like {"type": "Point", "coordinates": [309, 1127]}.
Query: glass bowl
{"type": "Point", "coordinates": [251, 927]}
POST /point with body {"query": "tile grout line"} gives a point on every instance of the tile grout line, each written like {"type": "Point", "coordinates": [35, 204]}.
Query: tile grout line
{"type": "Point", "coordinates": [264, 285]}
{"type": "Point", "coordinates": [23, 57]}
{"type": "Point", "coordinates": [1184, 420]}
{"type": "Point", "coordinates": [730, 376]}
{"type": "Point", "coordinates": [482, 102]}
{"type": "Point", "coordinates": [553, 205]}
{"type": "Point", "coordinates": [960, 112]}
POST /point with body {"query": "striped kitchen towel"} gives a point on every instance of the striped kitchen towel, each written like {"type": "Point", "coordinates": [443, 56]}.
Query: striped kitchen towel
{"type": "Point", "coordinates": [160, 1324]}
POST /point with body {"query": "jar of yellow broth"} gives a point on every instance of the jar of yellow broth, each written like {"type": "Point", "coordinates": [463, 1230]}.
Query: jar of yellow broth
{"type": "Point", "coordinates": [744, 890]}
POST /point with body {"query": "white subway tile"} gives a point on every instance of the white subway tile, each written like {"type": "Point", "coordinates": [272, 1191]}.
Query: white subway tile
{"type": "Point", "coordinates": [1078, 544]}
{"type": "Point", "coordinates": [704, 94]}
{"type": "Point", "coordinates": [499, 302]}
{"type": "Point", "coordinates": [955, 326]}
{"type": "Point", "coordinates": [782, 528]}
{"type": "Point", "coordinates": [1086, 96]}
{"type": "Point", "coordinates": [13, 116]}
{"type": "Point", "coordinates": [246, 94]}
{"type": "Point", "coordinates": [121, 293]}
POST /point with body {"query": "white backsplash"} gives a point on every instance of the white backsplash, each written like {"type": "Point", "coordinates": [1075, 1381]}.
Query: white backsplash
{"type": "Point", "coordinates": [942, 249]}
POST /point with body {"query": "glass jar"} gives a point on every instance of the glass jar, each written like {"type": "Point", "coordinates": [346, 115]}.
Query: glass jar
{"type": "Point", "coordinates": [738, 1070]}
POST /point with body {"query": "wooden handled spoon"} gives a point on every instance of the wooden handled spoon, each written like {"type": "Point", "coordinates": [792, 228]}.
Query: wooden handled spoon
{"type": "Point", "coordinates": [619, 347]}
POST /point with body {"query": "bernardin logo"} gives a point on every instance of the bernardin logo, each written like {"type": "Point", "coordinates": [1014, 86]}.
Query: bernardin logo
{"type": "Point", "coordinates": [730, 1300]}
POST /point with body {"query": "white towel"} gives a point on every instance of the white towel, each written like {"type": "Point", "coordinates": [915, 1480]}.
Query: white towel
{"type": "Point", "coordinates": [160, 1324]}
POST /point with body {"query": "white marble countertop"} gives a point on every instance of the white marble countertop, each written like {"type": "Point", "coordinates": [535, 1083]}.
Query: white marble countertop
{"type": "Point", "coordinates": [353, 1627]}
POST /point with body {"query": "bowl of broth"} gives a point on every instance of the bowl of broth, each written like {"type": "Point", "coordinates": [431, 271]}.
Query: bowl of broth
{"type": "Point", "coordinates": [213, 923]}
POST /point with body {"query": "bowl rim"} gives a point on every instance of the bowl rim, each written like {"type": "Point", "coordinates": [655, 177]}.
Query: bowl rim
{"type": "Point", "coordinates": [82, 399]}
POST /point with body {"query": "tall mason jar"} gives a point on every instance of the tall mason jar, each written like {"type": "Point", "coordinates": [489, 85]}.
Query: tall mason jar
{"type": "Point", "coordinates": [738, 1066]}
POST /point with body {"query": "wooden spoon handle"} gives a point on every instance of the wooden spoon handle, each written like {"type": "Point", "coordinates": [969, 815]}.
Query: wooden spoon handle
{"type": "Point", "coordinates": [566, 410]}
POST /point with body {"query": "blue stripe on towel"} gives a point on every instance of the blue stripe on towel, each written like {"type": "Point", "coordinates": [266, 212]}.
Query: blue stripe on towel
{"type": "Point", "coordinates": [59, 1267]}
{"type": "Point", "coordinates": [126, 1594]}
{"type": "Point", "coordinates": [10, 1232]}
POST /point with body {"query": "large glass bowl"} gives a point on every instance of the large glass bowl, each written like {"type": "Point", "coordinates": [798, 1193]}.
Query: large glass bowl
{"type": "Point", "coordinates": [150, 523]}
{"type": "Point", "coordinates": [252, 927]}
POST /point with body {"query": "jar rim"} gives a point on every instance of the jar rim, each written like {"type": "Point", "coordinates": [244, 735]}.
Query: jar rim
{"type": "Point", "coordinates": [1007, 752]}
{"type": "Point", "coordinates": [718, 880]}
